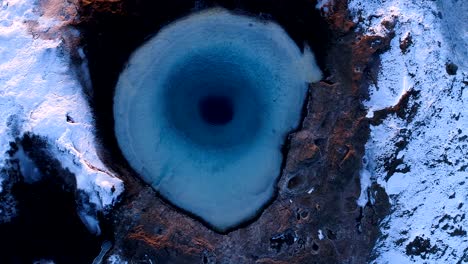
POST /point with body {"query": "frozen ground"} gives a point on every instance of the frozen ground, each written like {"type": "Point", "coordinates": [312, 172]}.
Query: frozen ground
{"type": "Point", "coordinates": [37, 93]}
{"type": "Point", "coordinates": [420, 156]}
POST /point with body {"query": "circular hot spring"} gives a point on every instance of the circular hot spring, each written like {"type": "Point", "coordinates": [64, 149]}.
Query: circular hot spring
{"type": "Point", "coordinates": [202, 109]}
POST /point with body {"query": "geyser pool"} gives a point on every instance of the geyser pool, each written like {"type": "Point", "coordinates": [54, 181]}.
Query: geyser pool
{"type": "Point", "coordinates": [202, 109]}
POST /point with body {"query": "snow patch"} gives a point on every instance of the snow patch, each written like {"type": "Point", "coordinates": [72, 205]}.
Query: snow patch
{"type": "Point", "coordinates": [38, 92]}
{"type": "Point", "coordinates": [116, 259]}
{"type": "Point", "coordinates": [365, 176]}
{"type": "Point", "coordinates": [419, 158]}
{"type": "Point", "coordinates": [105, 247]}
{"type": "Point", "coordinates": [1, 186]}
{"type": "Point", "coordinates": [320, 234]}
{"type": "Point", "coordinates": [324, 5]}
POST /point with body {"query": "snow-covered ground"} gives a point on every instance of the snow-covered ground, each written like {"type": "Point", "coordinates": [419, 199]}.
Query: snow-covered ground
{"type": "Point", "coordinates": [420, 157]}
{"type": "Point", "coordinates": [38, 92]}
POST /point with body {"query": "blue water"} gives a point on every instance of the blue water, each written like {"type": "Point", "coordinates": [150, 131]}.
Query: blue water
{"type": "Point", "coordinates": [218, 71]}
{"type": "Point", "coordinates": [203, 108]}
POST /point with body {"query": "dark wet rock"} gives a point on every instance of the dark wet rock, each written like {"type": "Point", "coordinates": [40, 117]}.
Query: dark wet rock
{"type": "Point", "coordinates": [459, 231]}
{"type": "Point", "coordinates": [69, 119]}
{"type": "Point", "coordinates": [420, 246]}
{"type": "Point", "coordinates": [46, 224]}
{"type": "Point", "coordinates": [8, 203]}
{"type": "Point", "coordinates": [287, 238]}
{"type": "Point", "coordinates": [451, 68]}
{"type": "Point", "coordinates": [405, 43]}
{"type": "Point", "coordinates": [46, 227]}
{"type": "Point", "coordinates": [319, 185]}
{"type": "Point", "coordinates": [403, 109]}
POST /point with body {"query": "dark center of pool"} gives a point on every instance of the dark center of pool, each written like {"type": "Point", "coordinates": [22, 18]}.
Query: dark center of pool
{"type": "Point", "coordinates": [216, 110]}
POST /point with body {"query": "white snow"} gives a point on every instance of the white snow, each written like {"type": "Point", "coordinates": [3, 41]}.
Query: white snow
{"type": "Point", "coordinates": [428, 190]}
{"type": "Point", "coordinates": [324, 5]}
{"type": "Point", "coordinates": [320, 234]}
{"type": "Point", "coordinates": [116, 259]}
{"type": "Point", "coordinates": [365, 177]}
{"type": "Point", "coordinates": [37, 91]}
{"type": "Point", "coordinates": [105, 247]}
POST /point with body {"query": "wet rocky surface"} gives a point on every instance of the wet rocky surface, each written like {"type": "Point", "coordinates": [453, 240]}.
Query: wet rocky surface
{"type": "Point", "coordinates": [314, 218]}
{"type": "Point", "coordinates": [44, 224]}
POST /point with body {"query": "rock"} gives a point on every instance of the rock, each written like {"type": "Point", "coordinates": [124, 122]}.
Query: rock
{"type": "Point", "coordinates": [405, 43]}
{"type": "Point", "coordinates": [451, 68]}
